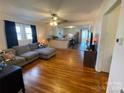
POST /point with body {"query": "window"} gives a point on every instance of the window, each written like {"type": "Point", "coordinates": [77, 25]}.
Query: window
{"type": "Point", "coordinates": [23, 32]}
{"type": "Point", "coordinates": [28, 32]}
{"type": "Point", "coordinates": [18, 31]}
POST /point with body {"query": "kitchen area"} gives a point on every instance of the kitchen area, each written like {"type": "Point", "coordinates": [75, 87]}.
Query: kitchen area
{"type": "Point", "coordinates": [63, 38]}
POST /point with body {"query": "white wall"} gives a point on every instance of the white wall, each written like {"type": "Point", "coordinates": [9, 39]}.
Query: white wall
{"type": "Point", "coordinates": [101, 62]}
{"type": "Point", "coordinates": [71, 30]}
{"type": "Point", "coordinates": [60, 32]}
{"type": "Point", "coordinates": [116, 78]}
{"type": "Point", "coordinates": [109, 29]}
{"type": "Point", "coordinates": [57, 31]}
{"type": "Point", "coordinates": [49, 30]}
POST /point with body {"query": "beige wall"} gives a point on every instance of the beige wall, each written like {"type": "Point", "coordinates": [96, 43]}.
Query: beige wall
{"type": "Point", "coordinates": [2, 30]}
{"type": "Point", "coordinates": [2, 36]}
{"type": "Point", "coordinates": [41, 31]}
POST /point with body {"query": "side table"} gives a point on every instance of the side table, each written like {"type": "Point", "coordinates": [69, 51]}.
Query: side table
{"type": "Point", "coordinates": [90, 59]}
{"type": "Point", "coordinates": [11, 80]}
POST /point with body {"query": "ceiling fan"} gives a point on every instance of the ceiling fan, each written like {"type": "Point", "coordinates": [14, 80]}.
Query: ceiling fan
{"type": "Point", "coordinates": [54, 20]}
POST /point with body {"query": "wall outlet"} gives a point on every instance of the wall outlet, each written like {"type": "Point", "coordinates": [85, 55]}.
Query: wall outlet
{"type": "Point", "coordinates": [121, 91]}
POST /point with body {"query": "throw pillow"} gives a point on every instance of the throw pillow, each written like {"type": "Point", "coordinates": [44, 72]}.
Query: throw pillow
{"type": "Point", "coordinates": [8, 56]}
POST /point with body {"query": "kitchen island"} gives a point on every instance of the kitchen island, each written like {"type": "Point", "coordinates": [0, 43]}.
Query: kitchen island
{"type": "Point", "coordinates": [62, 44]}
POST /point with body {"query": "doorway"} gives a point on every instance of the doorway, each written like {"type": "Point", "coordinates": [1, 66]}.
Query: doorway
{"type": "Point", "coordinates": [108, 37]}
{"type": "Point", "coordinates": [85, 38]}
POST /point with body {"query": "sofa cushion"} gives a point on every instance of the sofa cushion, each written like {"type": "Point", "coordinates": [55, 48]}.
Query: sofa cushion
{"type": "Point", "coordinates": [30, 55]}
{"type": "Point", "coordinates": [46, 51]}
{"type": "Point", "coordinates": [8, 55]}
{"type": "Point", "coordinates": [10, 50]}
{"type": "Point", "coordinates": [18, 60]}
{"type": "Point", "coordinates": [21, 49]}
{"type": "Point", "coordinates": [33, 46]}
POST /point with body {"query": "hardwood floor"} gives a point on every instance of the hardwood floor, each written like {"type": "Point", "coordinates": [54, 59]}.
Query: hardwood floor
{"type": "Point", "coordinates": [64, 73]}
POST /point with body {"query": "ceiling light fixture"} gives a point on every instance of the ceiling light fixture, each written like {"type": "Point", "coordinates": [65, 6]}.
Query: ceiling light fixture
{"type": "Point", "coordinates": [70, 27]}
{"type": "Point", "coordinates": [54, 20]}
{"type": "Point", "coordinates": [53, 23]}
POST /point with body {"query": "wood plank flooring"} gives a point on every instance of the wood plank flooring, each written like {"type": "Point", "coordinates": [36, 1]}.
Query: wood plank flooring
{"type": "Point", "coordinates": [64, 73]}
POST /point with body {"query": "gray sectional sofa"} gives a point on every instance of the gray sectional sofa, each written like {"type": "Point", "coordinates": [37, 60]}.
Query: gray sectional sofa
{"type": "Point", "coordinates": [28, 53]}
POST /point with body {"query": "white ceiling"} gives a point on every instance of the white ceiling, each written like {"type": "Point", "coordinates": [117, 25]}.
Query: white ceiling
{"type": "Point", "coordinates": [73, 10]}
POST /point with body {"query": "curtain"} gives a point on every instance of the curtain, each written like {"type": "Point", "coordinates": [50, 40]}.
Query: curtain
{"type": "Point", "coordinates": [34, 34]}
{"type": "Point", "coordinates": [11, 36]}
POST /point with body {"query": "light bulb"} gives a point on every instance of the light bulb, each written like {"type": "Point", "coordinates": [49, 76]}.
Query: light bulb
{"type": "Point", "coordinates": [51, 23]}
{"type": "Point", "coordinates": [55, 23]}
{"type": "Point", "coordinates": [55, 18]}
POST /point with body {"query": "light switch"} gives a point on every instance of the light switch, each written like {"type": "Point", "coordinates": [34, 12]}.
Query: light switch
{"type": "Point", "coordinates": [120, 41]}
